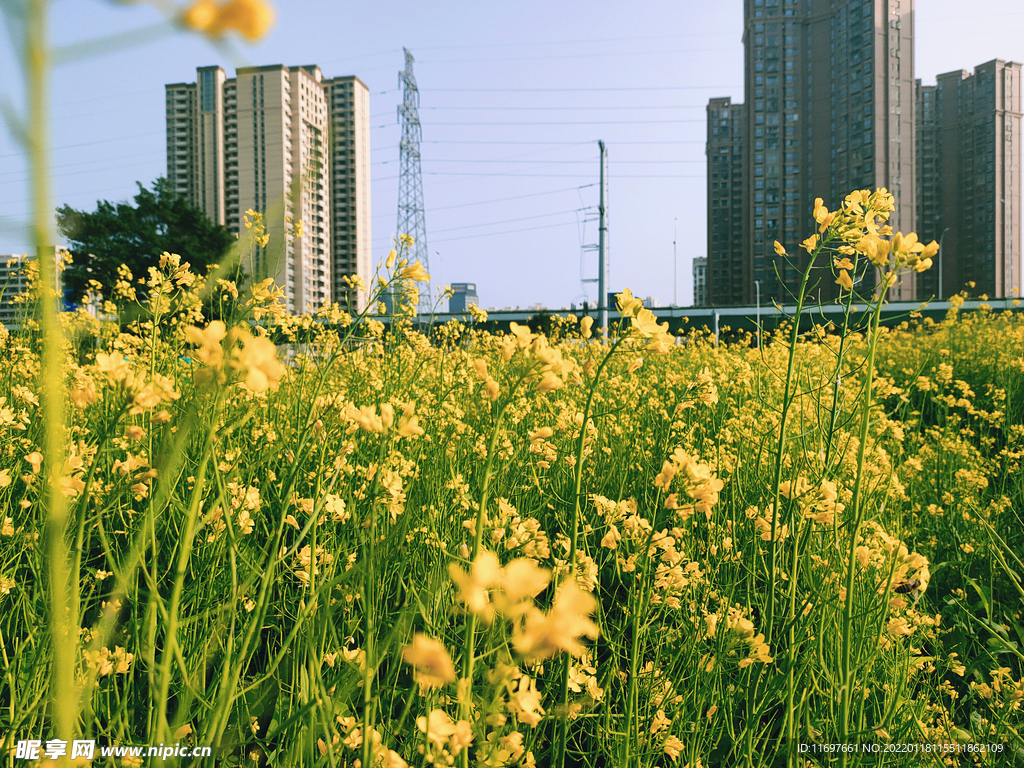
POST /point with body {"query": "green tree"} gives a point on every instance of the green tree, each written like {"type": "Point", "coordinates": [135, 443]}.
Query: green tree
{"type": "Point", "coordinates": [136, 235]}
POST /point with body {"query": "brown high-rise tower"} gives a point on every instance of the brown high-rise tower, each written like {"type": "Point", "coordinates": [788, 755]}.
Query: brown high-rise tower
{"type": "Point", "coordinates": [829, 109]}
{"type": "Point", "coordinates": [969, 142]}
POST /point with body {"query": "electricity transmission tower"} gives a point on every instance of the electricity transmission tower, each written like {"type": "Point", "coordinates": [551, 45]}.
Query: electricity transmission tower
{"type": "Point", "coordinates": [411, 219]}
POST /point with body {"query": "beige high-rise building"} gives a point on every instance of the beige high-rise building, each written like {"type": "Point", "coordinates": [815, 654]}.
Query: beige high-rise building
{"type": "Point", "coordinates": [348, 99]}
{"type": "Point", "coordinates": [295, 147]}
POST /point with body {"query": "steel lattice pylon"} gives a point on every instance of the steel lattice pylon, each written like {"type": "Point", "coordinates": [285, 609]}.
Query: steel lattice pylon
{"type": "Point", "coordinates": [411, 218]}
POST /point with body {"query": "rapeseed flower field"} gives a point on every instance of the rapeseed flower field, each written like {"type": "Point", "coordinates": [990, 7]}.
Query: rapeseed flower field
{"type": "Point", "coordinates": [331, 540]}
{"type": "Point", "coordinates": [327, 540]}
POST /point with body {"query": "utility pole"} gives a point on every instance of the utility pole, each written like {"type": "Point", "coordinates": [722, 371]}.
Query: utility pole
{"type": "Point", "coordinates": [602, 246]}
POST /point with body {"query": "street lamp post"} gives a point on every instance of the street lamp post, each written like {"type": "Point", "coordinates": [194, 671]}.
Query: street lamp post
{"type": "Point", "coordinates": [940, 260]}
{"type": "Point", "coordinates": [675, 264]}
{"type": "Point", "coordinates": [757, 288]}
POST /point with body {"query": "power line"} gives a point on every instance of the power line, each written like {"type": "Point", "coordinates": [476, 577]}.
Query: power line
{"type": "Point", "coordinates": [57, 107]}
{"type": "Point", "coordinates": [601, 107]}
{"type": "Point", "coordinates": [87, 162]}
{"type": "Point", "coordinates": [565, 143]}
{"type": "Point", "coordinates": [564, 175]}
{"type": "Point", "coordinates": [80, 173]}
{"type": "Point", "coordinates": [78, 193]}
{"type": "Point", "coordinates": [59, 115]}
{"type": "Point", "coordinates": [507, 221]}
{"type": "Point", "coordinates": [574, 42]}
{"type": "Point", "coordinates": [506, 158]}
{"type": "Point", "coordinates": [581, 122]}
{"type": "Point", "coordinates": [585, 90]}
{"type": "Point", "coordinates": [602, 55]}
{"type": "Point", "coordinates": [507, 232]}
{"type": "Point", "coordinates": [551, 143]}
{"type": "Point", "coordinates": [553, 162]}
{"type": "Point", "coordinates": [505, 199]}
{"type": "Point", "coordinates": [93, 143]}
{"type": "Point", "coordinates": [572, 162]}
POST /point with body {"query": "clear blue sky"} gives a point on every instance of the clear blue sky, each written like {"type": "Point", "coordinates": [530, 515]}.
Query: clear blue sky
{"type": "Point", "coordinates": [514, 97]}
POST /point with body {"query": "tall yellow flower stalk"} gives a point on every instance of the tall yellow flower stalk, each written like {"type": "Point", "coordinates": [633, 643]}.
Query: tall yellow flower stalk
{"type": "Point", "coordinates": [63, 584]}
{"type": "Point", "coordinates": [252, 19]}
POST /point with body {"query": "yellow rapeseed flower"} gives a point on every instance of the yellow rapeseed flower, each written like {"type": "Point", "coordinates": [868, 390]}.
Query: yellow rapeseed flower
{"type": "Point", "coordinates": [415, 272]}
{"type": "Point", "coordinates": [250, 18]}
{"type": "Point", "coordinates": [586, 324]}
{"type": "Point", "coordinates": [201, 16]}
{"type": "Point", "coordinates": [544, 635]}
{"type": "Point", "coordinates": [810, 243]}
{"type": "Point", "coordinates": [263, 370]}
{"type": "Point", "coordinates": [541, 434]}
{"type": "Point", "coordinates": [474, 586]}
{"type": "Point", "coordinates": [431, 661]}
{"type": "Point", "coordinates": [36, 460]}
{"type": "Point", "coordinates": [549, 382]}
{"type": "Point", "coordinates": [113, 366]}
{"type": "Point", "coordinates": [629, 305]}
{"type": "Point", "coordinates": [875, 248]}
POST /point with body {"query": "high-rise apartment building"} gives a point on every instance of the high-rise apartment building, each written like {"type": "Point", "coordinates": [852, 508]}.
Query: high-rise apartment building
{"type": "Point", "coordinates": [928, 202]}
{"type": "Point", "coordinates": [700, 281]}
{"type": "Point", "coordinates": [728, 264]}
{"type": "Point", "coordinates": [292, 145]}
{"type": "Point", "coordinates": [348, 99]}
{"type": "Point", "coordinates": [969, 176]}
{"type": "Point", "coordinates": [829, 108]}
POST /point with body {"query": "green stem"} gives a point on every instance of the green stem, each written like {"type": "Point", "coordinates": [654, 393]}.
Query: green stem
{"type": "Point", "coordinates": [563, 739]}
{"type": "Point", "coordinates": [846, 672]}
{"type": "Point", "coordinates": [469, 646]}
{"type": "Point", "coordinates": [173, 610]}
{"type": "Point", "coordinates": [787, 397]}
{"type": "Point", "coordinates": [368, 644]}
{"type": "Point", "coordinates": [791, 661]}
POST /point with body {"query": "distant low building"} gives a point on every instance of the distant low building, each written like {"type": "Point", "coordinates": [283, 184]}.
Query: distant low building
{"type": "Point", "coordinates": [463, 295]}
{"type": "Point", "coordinates": [14, 280]}
{"type": "Point", "coordinates": [650, 302]}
